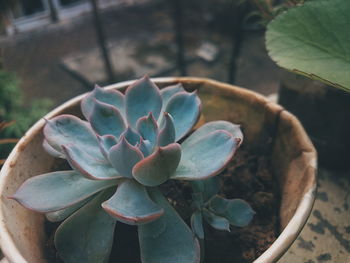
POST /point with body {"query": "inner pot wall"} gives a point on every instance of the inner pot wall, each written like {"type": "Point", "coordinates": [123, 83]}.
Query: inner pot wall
{"type": "Point", "coordinates": [22, 235]}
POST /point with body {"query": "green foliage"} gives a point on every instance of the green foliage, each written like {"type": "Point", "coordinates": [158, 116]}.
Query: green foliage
{"type": "Point", "coordinates": [12, 107]}
{"type": "Point", "coordinates": [313, 40]}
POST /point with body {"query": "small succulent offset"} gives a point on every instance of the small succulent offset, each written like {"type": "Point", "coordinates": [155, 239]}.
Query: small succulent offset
{"type": "Point", "coordinates": [127, 148]}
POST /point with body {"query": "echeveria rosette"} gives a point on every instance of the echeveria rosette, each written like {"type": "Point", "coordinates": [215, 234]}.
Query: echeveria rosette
{"type": "Point", "coordinates": [128, 143]}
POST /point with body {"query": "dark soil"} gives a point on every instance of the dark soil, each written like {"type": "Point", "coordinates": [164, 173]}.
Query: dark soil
{"type": "Point", "coordinates": [248, 177]}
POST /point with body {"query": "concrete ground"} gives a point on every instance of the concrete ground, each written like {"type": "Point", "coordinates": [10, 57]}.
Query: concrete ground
{"type": "Point", "coordinates": [136, 33]}
{"type": "Point", "coordinates": [141, 42]}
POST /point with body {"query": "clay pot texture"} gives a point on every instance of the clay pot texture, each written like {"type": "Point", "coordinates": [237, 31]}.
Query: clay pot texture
{"type": "Point", "coordinates": [22, 235]}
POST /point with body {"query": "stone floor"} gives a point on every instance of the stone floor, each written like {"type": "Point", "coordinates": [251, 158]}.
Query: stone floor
{"type": "Point", "coordinates": [326, 235]}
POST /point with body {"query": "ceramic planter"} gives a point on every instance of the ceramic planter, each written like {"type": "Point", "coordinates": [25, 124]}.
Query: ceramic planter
{"type": "Point", "coordinates": [22, 235]}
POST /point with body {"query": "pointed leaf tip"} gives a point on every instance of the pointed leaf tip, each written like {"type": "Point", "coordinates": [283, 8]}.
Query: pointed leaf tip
{"type": "Point", "coordinates": [124, 156]}
{"type": "Point", "coordinates": [159, 166]}
{"type": "Point", "coordinates": [57, 190]}
{"type": "Point", "coordinates": [142, 97]}
{"type": "Point", "coordinates": [185, 110]}
{"type": "Point", "coordinates": [110, 97]}
{"type": "Point", "coordinates": [68, 129]}
{"type": "Point", "coordinates": [148, 128]}
{"type": "Point", "coordinates": [167, 133]}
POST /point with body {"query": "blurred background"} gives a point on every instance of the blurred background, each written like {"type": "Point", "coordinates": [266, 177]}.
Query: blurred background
{"type": "Point", "coordinates": [53, 50]}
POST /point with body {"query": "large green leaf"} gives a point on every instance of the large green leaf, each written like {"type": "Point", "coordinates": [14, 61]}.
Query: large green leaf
{"type": "Point", "coordinates": [87, 235]}
{"type": "Point", "coordinates": [313, 40]}
{"type": "Point", "coordinates": [167, 239]}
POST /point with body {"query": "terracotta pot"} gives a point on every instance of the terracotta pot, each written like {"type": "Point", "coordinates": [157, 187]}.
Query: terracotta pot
{"type": "Point", "coordinates": [22, 235]}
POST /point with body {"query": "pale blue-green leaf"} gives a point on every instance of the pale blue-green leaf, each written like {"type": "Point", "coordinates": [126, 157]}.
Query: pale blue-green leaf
{"type": "Point", "coordinates": [145, 147]}
{"type": "Point", "coordinates": [124, 156]}
{"type": "Point", "coordinates": [184, 107]}
{"type": "Point", "coordinates": [197, 224]}
{"type": "Point", "coordinates": [111, 97]}
{"type": "Point", "coordinates": [217, 222]}
{"type": "Point", "coordinates": [207, 157]}
{"type": "Point", "coordinates": [141, 98]}
{"type": "Point", "coordinates": [167, 239]}
{"type": "Point", "coordinates": [92, 168]}
{"type": "Point", "coordinates": [60, 215]}
{"type": "Point", "coordinates": [203, 131]}
{"type": "Point", "coordinates": [87, 235]}
{"type": "Point", "coordinates": [106, 143]}
{"type": "Point", "coordinates": [169, 91]}
{"type": "Point", "coordinates": [132, 205]}
{"type": "Point", "coordinates": [106, 119]}
{"type": "Point", "coordinates": [237, 211]}
{"type": "Point", "coordinates": [132, 136]}
{"type": "Point", "coordinates": [58, 190]}
{"type": "Point", "coordinates": [167, 133]}
{"type": "Point", "coordinates": [313, 40]}
{"type": "Point", "coordinates": [50, 150]}
{"type": "Point", "coordinates": [148, 128]}
{"type": "Point", "coordinates": [207, 187]}
{"type": "Point", "coordinates": [68, 129]}
{"type": "Point", "coordinates": [159, 166]}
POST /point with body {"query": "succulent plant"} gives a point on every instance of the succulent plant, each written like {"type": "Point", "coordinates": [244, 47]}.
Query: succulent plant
{"type": "Point", "coordinates": [217, 211]}
{"type": "Point", "coordinates": [128, 146]}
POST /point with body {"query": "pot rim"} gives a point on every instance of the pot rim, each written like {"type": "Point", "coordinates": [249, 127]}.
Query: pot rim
{"type": "Point", "coordinates": [272, 254]}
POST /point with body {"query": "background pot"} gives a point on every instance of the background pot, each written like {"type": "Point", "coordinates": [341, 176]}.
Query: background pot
{"type": "Point", "coordinates": [22, 235]}
{"type": "Point", "coordinates": [324, 112]}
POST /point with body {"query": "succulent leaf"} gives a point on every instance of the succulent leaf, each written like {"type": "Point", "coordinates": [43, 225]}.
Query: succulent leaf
{"type": "Point", "coordinates": [167, 133]}
{"type": "Point", "coordinates": [87, 235]}
{"type": "Point", "coordinates": [132, 136]}
{"type": "Point", "coordinates": [57, 190]}
{"type": "Point", "coordinates": [168, 92]}
{"type": "Point", "coordinates": [84, 163]}
{"type": "Point", "coordinates": [207, 157]}
{"type": "Point", "coordinates": [142, 97]}
{"type": "Point", "coordinates": [132, 205]}
{"type": "Point", "coordinates": [237, 211]}
{"type": "Point", "coordinates": [145, 147]}
{"type": "Point", "coordinates": [184, 107]}
{"type": "Point", "coordinates": [163, 239]}
{"type": "Point", "coordinates": [60, 215]}
{"type": "Point", "coordinates": [159, 166]}
{"type": "Point", "coordinates": [148, 128]}
{"type": "Point", "coordinates": [217, 222]}
{"type": "Point", "coordinates": [197, 224]}
{"type": "Point", "coordinates": [50, 150]}
{"type": "Point", "coordinates": [124, 156]}
{"type": "Point", "coordinates": [106, 119]}
{"type": "Point", "coordinates": [106, 143]}
{"type": "Point", "coordinates": [207, 187]}
{"type": "Point", "coordinates": [212, 126]}
{"type": "Point", "coordinates": [68, 129]}
{"type": "Point", "coordinates": [111, 97]}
